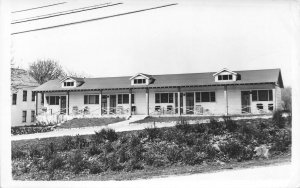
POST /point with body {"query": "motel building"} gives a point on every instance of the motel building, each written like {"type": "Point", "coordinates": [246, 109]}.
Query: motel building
{"type": "Point", "coordinates": [224, 92]}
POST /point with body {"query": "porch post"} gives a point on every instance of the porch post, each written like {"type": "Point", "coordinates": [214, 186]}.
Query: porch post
{"type": "Point", "coordinates": [108, 104]}
{"type": "Point", "coordinates": [130, 102]}
{"type": "Point", "coordinates": [178, 101]}
{"type": "Point", "coordinates": [100, 102]}
{"type": "Point", "coordinates": [147, 101]}
{"type": "Point", "coordinates": [274, 99]}
{"type": "Point", "coordinates": [36, 103]}
{"type": "Point", "coordinates": [226, 99]}
{"type": "Point", "coordinates": [68, 108]}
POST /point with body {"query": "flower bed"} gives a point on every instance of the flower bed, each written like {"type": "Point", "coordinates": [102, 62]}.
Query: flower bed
{"type": "Point", "coordinates": [183, 145]}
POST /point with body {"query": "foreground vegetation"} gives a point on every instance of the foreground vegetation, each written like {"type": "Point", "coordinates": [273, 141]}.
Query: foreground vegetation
{"type": "Point", "coordinates": [150, 152]}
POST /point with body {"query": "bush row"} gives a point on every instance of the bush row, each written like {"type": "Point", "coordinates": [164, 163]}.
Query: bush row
{"type": "Point", "coordinates": [183, 144]}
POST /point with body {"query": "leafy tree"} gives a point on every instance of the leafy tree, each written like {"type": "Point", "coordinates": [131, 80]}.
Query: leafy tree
{"type": "Point", "coordinates": [45, 70]}
{"type": "Point", "coordinates": [286, 97]}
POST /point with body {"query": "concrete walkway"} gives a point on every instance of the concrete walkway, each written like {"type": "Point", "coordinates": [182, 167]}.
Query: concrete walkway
{"type": "Point", "coordinates": [119, 127]}
{"type": "Point", "coordinates": [126, 125]}
{"type": "Point", "coordinates": [277, 176]}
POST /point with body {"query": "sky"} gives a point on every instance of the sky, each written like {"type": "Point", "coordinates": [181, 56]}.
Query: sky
{"type": "Point", "coordinates": [192, 36]}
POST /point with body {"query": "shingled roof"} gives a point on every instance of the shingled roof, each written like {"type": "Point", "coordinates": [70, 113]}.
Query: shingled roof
{"type": "Point", "coordinates": [272, 76]}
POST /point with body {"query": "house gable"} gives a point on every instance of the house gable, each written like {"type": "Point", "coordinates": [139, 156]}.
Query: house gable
{"type": "Point", "coordinates": [226, 75]}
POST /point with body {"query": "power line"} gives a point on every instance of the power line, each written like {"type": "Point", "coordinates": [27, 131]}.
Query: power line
{"type": "Point", "coordinates": [72, 11]}
{"type": "Point", "coordinates": [95, 19]}
{"type": "Point", "coordinates": [38, 7]}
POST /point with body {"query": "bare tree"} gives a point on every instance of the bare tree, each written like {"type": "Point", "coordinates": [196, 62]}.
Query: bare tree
{"type": "Point", "coordinates": [14, 77]}
{"type": "Point", "coordinates": [286, 97]}
{"type": "Point", "coordinates": [45, 70]}
{"type": "Point", "coordinates": [77, 74]}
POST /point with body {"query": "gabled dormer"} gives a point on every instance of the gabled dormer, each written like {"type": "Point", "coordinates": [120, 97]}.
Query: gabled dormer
{"type": "Point", "coordinates": [71, 82]}
{"type": "Point", "coordinates": [141, 79]}
{"type": "Point", "coordinates": [225, 75]}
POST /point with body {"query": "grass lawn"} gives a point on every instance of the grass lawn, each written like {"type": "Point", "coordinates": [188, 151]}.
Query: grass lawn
{"type": "Point", "coordinates": [89, 122]}
{"type": "Point", "coordinates": [151, 119]}
{"type": "Point", "coordinates": [184, 169]}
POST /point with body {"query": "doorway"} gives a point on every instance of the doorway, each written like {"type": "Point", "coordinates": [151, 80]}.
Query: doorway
{"type": "Point", "coordinates": [189, 103]}
{"type": "Point", "coordinates": [63, 105]}
{"type": "Point", "coordinates": [112, 104]}
{"type": "Point", "coordinates": [245, 96]}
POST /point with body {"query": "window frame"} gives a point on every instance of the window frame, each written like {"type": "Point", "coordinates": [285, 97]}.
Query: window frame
{"type": "Point", "coordinates": [32, 115]}
{"type": "Point", "coordinates": [56, 100]}
{"type": "Point", "coordinates": [87, 99]}
{"type": "Point", "coordinates": [32, 96]}
{"type": "Point", "coordinates": [24, 116]}
{"type": "Point", "coordinates": [158, 98]}
{"type": "Point", "coordinates": [211, 95]}
{"type": "Point", "coordinates": [256, 93]}
{"type": "Point", "coordinates": [222, 77]}
{"type": "Point", "coordinates": [139, 81]}
{"type": "Point", "coordinates": [24, 95]}
{"type": "Point", "coordinates": [14, 98]}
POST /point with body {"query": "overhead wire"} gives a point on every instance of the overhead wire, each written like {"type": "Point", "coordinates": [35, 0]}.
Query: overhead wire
{"type": "Point", "coordinates": [38, 7]}
{"type": "Point", "coordinates": [62, 13]}
{"type": "Point", "coordinates": [94, 19]}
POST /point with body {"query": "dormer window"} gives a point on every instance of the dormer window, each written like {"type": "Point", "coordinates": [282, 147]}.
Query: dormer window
{"type": "Point", "coordinates": [225, 75]}
{"type": "Point", "coordinates": [139, 81]}
{"type": "Point", "coordinates": [68, 84]}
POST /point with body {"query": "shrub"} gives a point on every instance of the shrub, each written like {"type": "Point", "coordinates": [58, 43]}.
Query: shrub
{"type": "Point", "coordinates": [105, 134]}
{"type": "Point", "coordinates": [173, 153]}
{"type": "Point", "coordinates": [67, 143]}
{"type": "Point", "coordinates": [30, 129]}
{"type": "Point", "coordinates": [95, 168]}
{"type": "Point", "coordinates": [17, 153]}
{"type": "Point", "coordinates": [111, 162]}
{"type": "Point", "coordinates": [183, 125]}
{"type": "Point", "coordinates": [48, 151]}
{"type": "Point", "coordinates": [210, 151]}
{"type": "Point", "coordinates": [35, 151]}
{"type": "Point", "coordinates": [278, 120]}
{"type": "Point", "coordinates": [215, 127]}
{"type": "Point", "coordinates": [235, 150]}
{"type": "Point", "coordinates": [77, 162]}
{"type": "Point", "coordinates": [200, 128]}
{"type": "Point", "coordinates": [94, 150]}
{"type": "Point", "coordinates": [191, 157]}
{"type": "Point", "coordinates": [282, 140]}
{"type": "Point", "coordinates": [230, 125]}
{"type": "Point", "coordinates": [249, 130]}
{"type": "Point", "coordinates": [152, 133]}
{"type": "Point", "coordinates": [80, 142]}
{"type": "Point", "coordinates": [56, 163]}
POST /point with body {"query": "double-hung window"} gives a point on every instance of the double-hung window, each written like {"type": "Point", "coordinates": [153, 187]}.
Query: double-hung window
{"type": "Point", "coordinates": [124, 98]}
{"type": "Point", "coordinates": [24, 95]}
{"type": "Point", "coordinates": [262, 95]}
{"type": "Point", "coordinates": [32, 96]}
{"type": "Point", "coordinates": [32, 115]}
{"type": "Point", "coordinates": [14, 99]}
{"type": "Point", "coordinates": [52, 100]}
{"type": "Point", "coordinates": [164, 98]}
{"type": "Point", "coordinates": [205, 96]}
{"type": "Point", "coordinates": [24, 115]}
{"type": "Point", "coordinates": [91, 99]}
